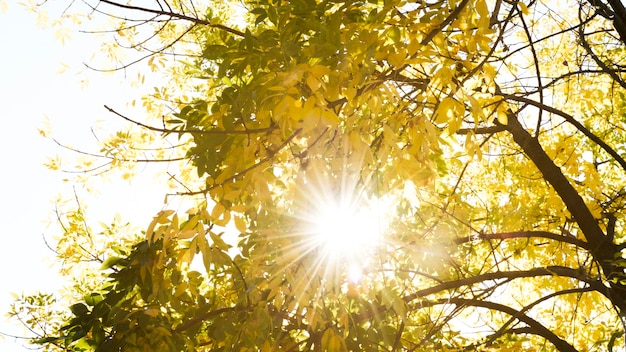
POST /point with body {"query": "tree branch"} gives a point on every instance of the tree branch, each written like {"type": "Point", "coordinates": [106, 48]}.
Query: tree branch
{"type": "Point", "coordinates": [605, 68]}
{"type": "Point", "coordinates": [524, 234]}
{"type": "Point", "coordinates": [194, 131]}
{"type": "Point", "coordinates": [503, 330]}
{"type": "Point", "coordinates": [176, 15]}
{"type": "Point", "coordinates": [536, 328]}
{"type": "Point", "coordinates": [482, 130]}
{"type": "Point", "coordinates": [570, 119]}
{"type": "Point", "coordinates": [114, 158]}
{"type": "Point", "coordinates": [601, 247]}
{"type": "Point", "coordinates": [619, 18]}
{"type": "Point", "coordinates": [246, 170]}
{"type": "Point", "coordinates": [563, 271]}
{"type": "Point", "coordinates": [453, 15]}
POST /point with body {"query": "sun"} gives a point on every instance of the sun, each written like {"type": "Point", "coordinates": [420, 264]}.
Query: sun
{"type": "Point", "coordinates": [341, 223]}
{"type": "Point", "coordinates": [345, 229]}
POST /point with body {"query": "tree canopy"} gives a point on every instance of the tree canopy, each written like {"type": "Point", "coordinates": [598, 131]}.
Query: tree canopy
{"type": "Point", "coordinates": [378, 175]}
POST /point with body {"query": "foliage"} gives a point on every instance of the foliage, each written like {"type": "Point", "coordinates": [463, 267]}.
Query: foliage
{"type": "Point", "coordinates": [486, 137]}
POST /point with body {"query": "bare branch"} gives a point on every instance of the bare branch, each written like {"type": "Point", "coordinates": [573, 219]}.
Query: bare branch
{"type": "Point", "coordinates": [524, 234]}
{"type": "Point", "coordinates": [535, 327]}
{"type": "Point", "coordinates": [578, 274]}
{"type": "Point", "coordinates": [193, 131]}
{"type": "Point", "coordinates": [482, 130]}
{"type": "Point", "coordinates": [178, 16]}
{"type": "Point", "coordinates": [114, 158]}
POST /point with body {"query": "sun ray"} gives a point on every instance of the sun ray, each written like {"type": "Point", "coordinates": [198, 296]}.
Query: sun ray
{"type": "Point", "coordinates": [342, 224]}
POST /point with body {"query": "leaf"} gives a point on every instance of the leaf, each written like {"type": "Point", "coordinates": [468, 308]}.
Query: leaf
{"type": "Point", "coordinates": [93, 299]}
{"type": "Point", "coordinates": [219, 215]}
{"type": "Point", "coordinates": [524, 8]}
{"type": "Point", "coordinates": [79, 309]}
{"type": "Point", "coordinates": [502, 115]}
{"type": "Point", "coordinates": [110, 262]}
{"type": "Point", "coordinates": [240, 224]}
{"type": "Point", "coordinates": [214, 52]}
{"type": "Point", "coordinates": [46, 340]}
{"type": "Point", "coordinates": [218, 242]}
{"type": "Point", "coordinates": [448, 109]}
{"type": "Point", "coordinates": [397, 59]}
{"type": "Point", "coordinates": [332, 342]}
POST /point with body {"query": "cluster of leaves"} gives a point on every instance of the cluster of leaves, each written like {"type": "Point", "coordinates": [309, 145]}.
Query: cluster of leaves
{"type": "Point", "coordinates": [495, 127]}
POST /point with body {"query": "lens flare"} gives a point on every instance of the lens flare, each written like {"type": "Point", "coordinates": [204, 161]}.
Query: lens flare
{"type": "Point", "coordinates": [341, 223]}
{"type": "Point", "coordinates": [345, 230]}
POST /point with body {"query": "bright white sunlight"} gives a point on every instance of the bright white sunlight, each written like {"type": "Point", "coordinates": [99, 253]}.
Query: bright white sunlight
{"type": "Point", "coordinates": [345, 228]}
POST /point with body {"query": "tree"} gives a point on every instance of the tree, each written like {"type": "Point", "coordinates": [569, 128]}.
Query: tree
{"type": "Point", "coordinates": [478, 144]}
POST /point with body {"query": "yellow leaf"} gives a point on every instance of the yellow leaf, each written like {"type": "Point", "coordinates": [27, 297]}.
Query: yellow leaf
{"type": "Point", "coordinates": [477, 110]}
{"type": "Point", "coordinates": [219, 242]}
{"type": "Point", "coordinates": [446, 110]}
{"type": "Point", "coordinates": [276, 89]}
{"type": "Point", "coordinates": [185, 234]}
{"type": "Point", "coordinates": [502, 115]}
{"type": "Point", "coordinates": [396, 59]}
{"type": "Point", "coordinates": [389, 134]}
{"type": "Point", "coordinates": [332, 342]}
{"type": "Point", "coordinates": [482, 9]}
{"type": "Point", "coordinates": [330, 118]}
{"type": "Point", "coordinates": [267, 347]}
{"type": "Point", "coordinates": [240, 224]}
{"type": "Point", "coordinates": [523, 7]}
{"type": "Point", "coordinates": [152, 312]}
{"type": "Point", "coordinates": [313, 83]}
{"type": "Point", "coordinates": [62, 34]}
{"type": "Point", "coordinates": [220, 216]}
{"type": "Point", "coordinates": [217, 211]}
{"type": "Point", "coordinates": [162, 216]}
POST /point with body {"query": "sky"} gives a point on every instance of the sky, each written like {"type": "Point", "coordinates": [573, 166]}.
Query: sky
{"type": "Point", "coordinates": [31, 93]}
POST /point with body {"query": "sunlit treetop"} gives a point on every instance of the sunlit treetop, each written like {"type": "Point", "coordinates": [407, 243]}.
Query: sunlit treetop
{"type": "Point", "coordinates": [401, 176]}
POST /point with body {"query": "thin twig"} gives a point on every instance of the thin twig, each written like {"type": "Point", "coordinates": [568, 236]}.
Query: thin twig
{"type": "Point", "coordinates": [193, 131]}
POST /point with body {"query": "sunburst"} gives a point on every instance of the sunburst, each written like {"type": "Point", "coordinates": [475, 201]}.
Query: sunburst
{"type": "Point", "coordinates": [342, 225]}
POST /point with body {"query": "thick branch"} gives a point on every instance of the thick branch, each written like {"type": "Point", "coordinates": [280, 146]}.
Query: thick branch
{"type": "Point", "coordinates": [525, 234]}
{"type": "Point", "coordinates": [505, 327]}
{"type": "Point", "coordinates": [509, 275]}
{"type": "Point", "coordinates": [600, 245]}
{"type": "Point", "coordinates": [573, 201]}
{"type": "Point", "coordinates": [619, 19]}
{"type": "Point", "coordinates": [535, 327]}
{"type": "Point", "coordinates": [570, 119]}
{"type": "Point", "coordinates": [482, 130]}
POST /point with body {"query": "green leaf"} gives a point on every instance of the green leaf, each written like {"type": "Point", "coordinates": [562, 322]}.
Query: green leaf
{"type": "Point", "coordinates": [79, 309]}
{"type": "Point", "coordinates": [93, 299]}
{"type": "Point", "coordinates": [214, 52]}
{"type": "Point", "coordinates": [110, 262]}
